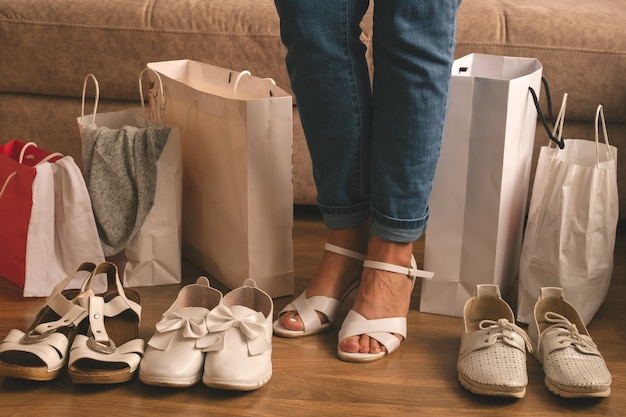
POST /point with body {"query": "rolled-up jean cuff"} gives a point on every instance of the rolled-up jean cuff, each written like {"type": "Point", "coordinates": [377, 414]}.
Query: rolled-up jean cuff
{"type": "Point", "coordinates": [345, 217]}
{"type": "Point", "coordinates": [397, 230]}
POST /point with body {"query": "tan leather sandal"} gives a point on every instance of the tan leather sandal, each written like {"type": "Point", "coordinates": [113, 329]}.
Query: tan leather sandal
{"type": "Point", "coordinates": [110, 350]}
{"type": "Point", "coordinates": [41, 352]}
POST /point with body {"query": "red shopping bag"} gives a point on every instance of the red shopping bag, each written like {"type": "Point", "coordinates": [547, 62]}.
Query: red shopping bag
{"type": "Point", "coordinates": [17, 173]}
{"type": "Point", "coordinates": [46, 221]}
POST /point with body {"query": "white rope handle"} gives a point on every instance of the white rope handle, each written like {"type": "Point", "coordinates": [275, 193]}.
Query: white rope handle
{"type": "Point", "coordinates": [238, 79]}
{"type": "Point", "coordinates": [248, 73]}
{"type": "Point", "coordinates": [6, 182]}
{"type": "Point", "coordinates": [96, 99]}
{"type": "Point", "coordinates": [23, 155]}
{"type": "Point", "coordinates": [49, 157]}
{"type": "Point", "coordinates": [600, 117]}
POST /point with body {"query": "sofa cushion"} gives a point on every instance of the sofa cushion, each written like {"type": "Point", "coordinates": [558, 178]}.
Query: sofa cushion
{"type": "Point", "coordinates": [581, 44]}
{"type": "Point", "coordinates": [53, 44]}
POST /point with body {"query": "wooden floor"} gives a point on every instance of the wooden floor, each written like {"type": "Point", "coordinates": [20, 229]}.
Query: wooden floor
{"type": "Point", "coordinates": [419, 379]}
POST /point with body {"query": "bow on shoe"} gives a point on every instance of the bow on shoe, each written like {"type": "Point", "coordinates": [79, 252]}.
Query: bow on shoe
{"type": "Point", "coordinates": [506, 331]}
{"type": "Point", "coordinates": [193, 328]}
{"type": "Point", "coordinates": [221, 319]}
{"type": "Point", "coordinates": [568, 334]}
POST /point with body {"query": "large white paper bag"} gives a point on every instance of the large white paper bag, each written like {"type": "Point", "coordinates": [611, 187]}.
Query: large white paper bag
{"type": "Point", "coordinates": [237, 172]}
{"type": "Point", "coordinates": [479, 196]}
{"type": "Point", "coordinates": [572, 223]}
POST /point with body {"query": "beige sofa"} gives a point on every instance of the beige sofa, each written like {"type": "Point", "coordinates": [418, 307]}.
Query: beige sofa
{"type": "Point", "coordinates": [47, 47]}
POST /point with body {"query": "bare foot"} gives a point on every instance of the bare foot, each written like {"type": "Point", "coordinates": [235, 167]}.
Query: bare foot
{"type": "Point", "coordinates": [382, 294]}
{"type": "Point", "coordinates": [334, 273]}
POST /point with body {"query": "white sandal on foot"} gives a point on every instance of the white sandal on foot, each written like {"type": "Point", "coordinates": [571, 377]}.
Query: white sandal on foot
{"type": "Point", "coordinates": [382, 329]}
{"type": "Point", "coordinates": [307, 308]}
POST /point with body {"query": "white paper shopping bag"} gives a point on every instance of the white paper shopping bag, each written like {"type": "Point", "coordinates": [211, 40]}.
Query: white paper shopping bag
{"type": "Point", "coordinates": [479, 196]}
{"type": "Point", "coordinates": [572, 222]}
{"type": "Point", "coordinates": [237, 172]}
{"type": "Point", "coordinates": [151, 254]}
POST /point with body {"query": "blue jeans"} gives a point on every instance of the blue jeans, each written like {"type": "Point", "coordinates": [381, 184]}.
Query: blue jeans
{"type": "Point", "coordinates": [374, 146]}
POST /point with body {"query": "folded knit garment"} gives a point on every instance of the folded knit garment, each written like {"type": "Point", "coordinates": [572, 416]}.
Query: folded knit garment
{"type": "Point", "coordinates": [120, 170]}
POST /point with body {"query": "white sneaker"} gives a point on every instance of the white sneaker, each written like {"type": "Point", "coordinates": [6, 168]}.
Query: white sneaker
{"type": "Point", "coordinates": [571, 361]}
{"type": "Point", "coordinates": [492, 357]}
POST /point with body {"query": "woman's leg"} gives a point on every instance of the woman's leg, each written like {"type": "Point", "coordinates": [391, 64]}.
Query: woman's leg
{"type": "Point", "coordinates": [330, 79]}
{"type": "Point", "coordinates": [413, 49]}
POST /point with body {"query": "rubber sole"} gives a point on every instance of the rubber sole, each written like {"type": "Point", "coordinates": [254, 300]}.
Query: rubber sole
{"type": "Point", "coordinates": [485, 390]}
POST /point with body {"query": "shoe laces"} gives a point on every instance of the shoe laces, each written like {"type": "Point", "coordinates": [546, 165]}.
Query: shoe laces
{"type": "Point", "coordinates": [502, 329]}
{"type": "Point", "coordinates": [568, 333]}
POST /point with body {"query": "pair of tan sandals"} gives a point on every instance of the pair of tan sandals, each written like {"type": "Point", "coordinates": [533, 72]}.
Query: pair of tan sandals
{"type": "Point", "coordinates": [354, 324]}
{"type": "Point", "coordinates": [96, 336]}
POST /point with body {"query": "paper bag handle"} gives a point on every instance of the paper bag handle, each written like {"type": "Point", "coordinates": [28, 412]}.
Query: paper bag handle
{"type": "Point", "coordinates": [96, 98]}
{"type": "Point", "coordinates": [243, 74]}
{"type": "Point", "coordinates": [22, 155]}
{"type": "Point", "coordinates": [6, 182]}
{"type": "Point", "coordinates": [557, 130]}
{"type": "Point", "coordinates": [238, 79]}
{"type": "Point", "coordinates": [544, 82]}
{"type": "Point", "coordinates": [600, 118]}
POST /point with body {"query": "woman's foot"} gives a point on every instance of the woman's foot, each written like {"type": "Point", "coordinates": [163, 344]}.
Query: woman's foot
{"type": "Point", "coordinates": [382, 294]}
{"type": "Point", "coordinates": [334, 274]}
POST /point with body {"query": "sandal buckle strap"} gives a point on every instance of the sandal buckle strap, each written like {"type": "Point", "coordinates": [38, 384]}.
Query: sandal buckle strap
{"type": "Point", "coordinates": [344, 251]}
{"type": "Point", "coordinates": [412, 272]}
{"type": "Point", "coordinates": [74, 316]}
{"type": "Point", "coordinates": [108, 347]}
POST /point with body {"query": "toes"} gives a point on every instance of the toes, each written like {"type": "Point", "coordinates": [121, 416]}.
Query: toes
{"type": "Point", "coordinates": [350, 344]}
{"type": "Point", "coordinates": [361, 344]}
{"type": "Point", "coordinates": [291, 321]}
{"type": "Point", "coordinates": [364, 343]}
{"type": "Point", "coordinates": [375, 347]}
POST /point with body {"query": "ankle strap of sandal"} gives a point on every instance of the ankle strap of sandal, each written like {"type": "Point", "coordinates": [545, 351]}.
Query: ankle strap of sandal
{"type": "Point", "coordinates": [413, 271]}
{"type": "Point", "coordinates": [343, 251]}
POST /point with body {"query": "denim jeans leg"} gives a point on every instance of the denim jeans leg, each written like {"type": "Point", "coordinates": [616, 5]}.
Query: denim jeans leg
{"type": "Point", "coordinates": [329, 76]}
{"type": "Point", "coordinates": [413, 48]}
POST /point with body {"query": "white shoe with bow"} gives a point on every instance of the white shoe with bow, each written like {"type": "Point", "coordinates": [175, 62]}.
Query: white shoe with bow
{"type": "Point", "coordinates": [172, 358]}
{"type": "Point", "coordinates": [238, 345]}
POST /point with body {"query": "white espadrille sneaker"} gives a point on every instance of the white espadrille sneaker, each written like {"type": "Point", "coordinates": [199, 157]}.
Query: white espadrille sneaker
{"type": "Point", "coordinates": [492, 357]}
{"type": "Point", "coordinates": [573, 366]}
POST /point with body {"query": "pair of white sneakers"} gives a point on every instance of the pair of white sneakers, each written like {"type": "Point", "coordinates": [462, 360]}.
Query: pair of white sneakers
{"type": "Point", "coordinates": [492, 357]}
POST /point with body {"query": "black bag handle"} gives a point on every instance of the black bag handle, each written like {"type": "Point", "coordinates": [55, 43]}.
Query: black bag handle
{"type": "Point", "coordinates": [544, 82]}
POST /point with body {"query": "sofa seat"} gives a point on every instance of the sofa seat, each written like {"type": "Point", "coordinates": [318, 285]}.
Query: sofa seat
{"type": "Point", "coordinates": [47, 47]}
